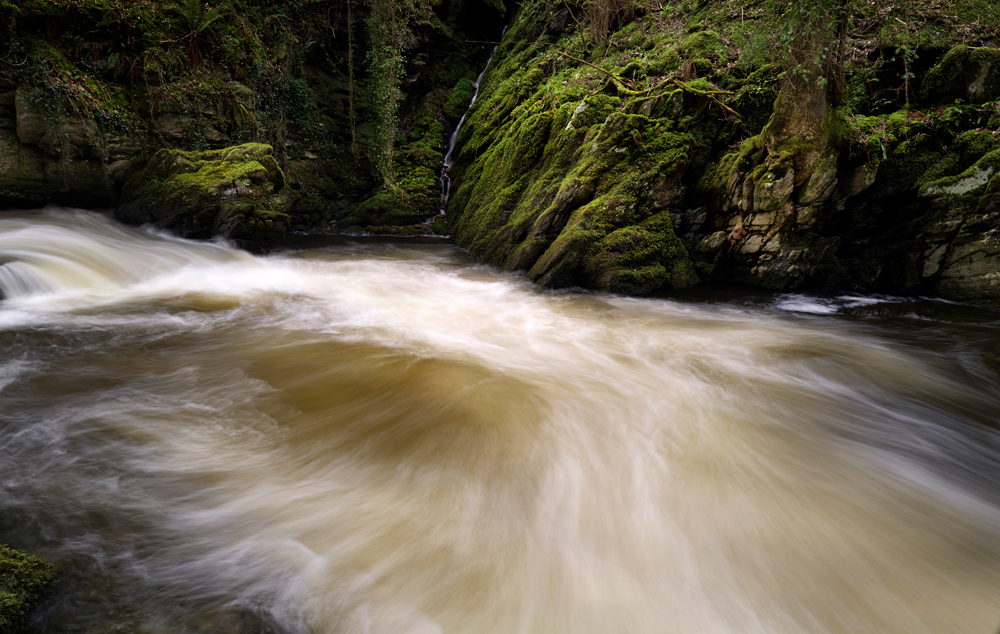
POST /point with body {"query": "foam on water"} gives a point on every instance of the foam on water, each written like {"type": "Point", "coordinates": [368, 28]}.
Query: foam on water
{"type": "Point", "coordinates": [390, 438]}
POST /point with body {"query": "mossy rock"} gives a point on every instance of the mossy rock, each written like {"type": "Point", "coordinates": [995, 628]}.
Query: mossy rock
{"type": "Point", "coordinates": [385, 209]}
{"type": "Point", "coordinates": [642, 258]}
{"type": "Point", "coordinates": [971, 74]}
{"type": "Point", "coordinates": [237, 192]}
{"type": "Point", "coordinates": [972, 181]}
{"type": "Point", "coordinates": [24, 579]}
{"type": "Point", "coordinates": [703, 44]}
{"type": "Point", "coordinates": [458, 100]}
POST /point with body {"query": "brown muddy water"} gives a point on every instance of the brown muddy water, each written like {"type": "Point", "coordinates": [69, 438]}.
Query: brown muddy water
{"type": "Point", "coordinates": [369, 437]}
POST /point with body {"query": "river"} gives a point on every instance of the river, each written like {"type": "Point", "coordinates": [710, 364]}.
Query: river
{"type": "Point", "coordinates": [379, 437]}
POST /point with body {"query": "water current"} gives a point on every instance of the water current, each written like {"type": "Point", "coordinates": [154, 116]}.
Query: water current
{"type": "Point", "coordinates": [375, 437]}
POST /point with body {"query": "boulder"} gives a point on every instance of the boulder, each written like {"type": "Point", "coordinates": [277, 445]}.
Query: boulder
{"type": "Point", "coordinates": [971, 74]}
{"type": "Point", "coordinates": [237, 192]}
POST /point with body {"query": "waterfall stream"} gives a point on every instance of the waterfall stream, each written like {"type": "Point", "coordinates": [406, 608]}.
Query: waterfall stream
{"type": "Point", "coordinates": [354, 436]}
{"type": "Point", "coordinates": [453, 141]}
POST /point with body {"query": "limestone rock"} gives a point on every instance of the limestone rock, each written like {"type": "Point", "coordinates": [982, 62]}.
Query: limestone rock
{"type": "Point", "coordinates": [859, 181]}
{"type": "Point", "coordinates": [27, 179]}
{"type": "Point", "coordinates": [772, 191]}
{"type": "Point", "coordinates": [970, 270]}
{"type": "Point", "coordinates": [22, 181]}
{"type": "Point", "coordinates": [821, 182]}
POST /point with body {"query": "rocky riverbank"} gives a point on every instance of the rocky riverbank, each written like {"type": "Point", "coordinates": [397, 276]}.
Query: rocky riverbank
{"type": "Point", "coordinates": [617, 146]}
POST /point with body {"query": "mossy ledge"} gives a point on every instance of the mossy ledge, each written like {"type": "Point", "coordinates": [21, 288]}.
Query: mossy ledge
{"type": "Point", "coordinates": [24, 579]}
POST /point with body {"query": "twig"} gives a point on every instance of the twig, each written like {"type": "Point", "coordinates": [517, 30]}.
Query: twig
{"type": "Point", "coordinates": [708, 94]}
{"type": "Point", "coordinates": [617, 79]}
{"type": "Point", "coordinates": [573, 16]}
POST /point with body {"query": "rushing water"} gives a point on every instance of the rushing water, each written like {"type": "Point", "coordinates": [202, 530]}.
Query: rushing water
{"type": "Point", "coordinates": [372, 437]}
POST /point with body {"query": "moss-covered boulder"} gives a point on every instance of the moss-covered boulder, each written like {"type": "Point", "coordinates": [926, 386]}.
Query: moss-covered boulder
{"type": "Point", "coordinates": [23, 581]}
{"type": "Point", "coordinates": [237, 192]}
{"type": "Point", "coordinates": [968, 73]}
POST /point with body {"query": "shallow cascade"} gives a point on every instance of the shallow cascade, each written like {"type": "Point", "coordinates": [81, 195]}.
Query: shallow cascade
{"type": "Point", "coordinates": [364, 436]}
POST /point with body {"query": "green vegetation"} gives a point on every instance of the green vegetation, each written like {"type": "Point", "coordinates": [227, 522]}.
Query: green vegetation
{"type": "Point", "coordinates": [24, 579]}
{"type": "Point", "coordinates": [320, 81]}
{"type": "Point", "coordinates": [752, 121]}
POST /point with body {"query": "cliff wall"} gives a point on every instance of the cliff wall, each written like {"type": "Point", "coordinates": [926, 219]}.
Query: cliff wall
{"type": "Point", "coordinates": [648, 159]}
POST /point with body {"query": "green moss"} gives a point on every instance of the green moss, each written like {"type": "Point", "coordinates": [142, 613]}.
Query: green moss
{"type": "Point", "coordinates": [237, 192]}
{"type": "Point", "coordinates": [642, 258]}
{"type": "Point", "coordinates": [703, 44]}
{"type": "Point", "coordinates": [458, 99]}
{"type": "Point", "coordinates": [24, 579]}
{"type": "Point", "coordinates": [965, 150]}
{"type": "Point", "coordinates": [945, 82]}
{"type": "Point", "coordinates": [966, 73]}
{"type": "Point", "coordinates": [595, 109]}
{"type": "Point", "coordinates": [970, 183]}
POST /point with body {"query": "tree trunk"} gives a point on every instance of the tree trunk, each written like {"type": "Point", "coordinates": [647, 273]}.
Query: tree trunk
{"type": "Point", "coordinates": [804, 112]}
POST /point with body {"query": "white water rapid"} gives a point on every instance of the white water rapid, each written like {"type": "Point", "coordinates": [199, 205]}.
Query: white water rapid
{"type": "Point", "coordinates": [367, 437]}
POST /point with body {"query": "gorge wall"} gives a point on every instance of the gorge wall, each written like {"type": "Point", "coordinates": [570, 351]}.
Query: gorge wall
{"type": "Point", "coordinates": [91, 90]}
{"type": "Point", "coordinates": [629, 147]}
{"type": "Point", "coordinates": [647, 158]}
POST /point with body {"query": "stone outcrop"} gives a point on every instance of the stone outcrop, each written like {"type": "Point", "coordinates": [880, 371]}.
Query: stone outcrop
{"type": "Point", "coordinates": [659, 155]}
{"type": "Point", "coordinates": [567, 174]}
{"type": "Point", "coordinates": [238, 193]}
{"type": "Point", "coordinates": [90, 92]}
{"type": "Point", "coordinates": [47, 159]}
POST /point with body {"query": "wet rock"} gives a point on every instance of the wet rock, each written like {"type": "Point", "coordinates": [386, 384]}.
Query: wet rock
{"type": "Point", "coordinates": [121, 171]}
{"type": "Point", "coordinates": [28, 179]}
{"type": "Point", "coordinates": [859, 181]}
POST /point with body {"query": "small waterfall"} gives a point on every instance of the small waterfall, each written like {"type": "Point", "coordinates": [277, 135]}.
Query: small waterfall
{"type": "Point", "coordinates": [61, 250]}
{"type": "Point", "coordinates": [448, 161]}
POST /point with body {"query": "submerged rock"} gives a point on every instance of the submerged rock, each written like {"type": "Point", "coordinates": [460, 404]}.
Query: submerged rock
{"type": "Point", "coordinates": [237, 192]}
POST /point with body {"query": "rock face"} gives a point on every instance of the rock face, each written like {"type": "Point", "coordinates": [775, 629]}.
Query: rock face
{"type": "Point", "coordinates": [626, 172]}
{"type": "Point", "coordinates": [631, 160]}
{"type": "Point", "coordinates": [43, 160]}
{"type": "Point", "coordinates": [237, 193]}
